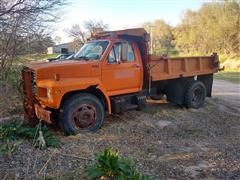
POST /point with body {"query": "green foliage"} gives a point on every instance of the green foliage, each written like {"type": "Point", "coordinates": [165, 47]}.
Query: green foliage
{"type": "Point", "coordinates": [215, 27]}
{"type": "Point", "coordinates": [9, 147]}
{"type": "Point", "coordinates": [11, 133]}
{"type": "Point", "coordinates": [110, 165]}
{"type": "Point", "coordinates": [161, 37]}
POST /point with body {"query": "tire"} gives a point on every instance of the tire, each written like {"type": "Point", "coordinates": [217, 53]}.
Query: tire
{"type": "Point", "coordinates": [81, 113]}
{"type": "Point", "coordinates": [157, 97]}
{"type": "Point", "coordinates": [195, 93]}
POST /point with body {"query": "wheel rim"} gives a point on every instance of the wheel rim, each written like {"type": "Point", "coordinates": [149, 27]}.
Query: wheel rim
{"type": "Point", "coordinates": [197, 95]}
{"type": "Point", "coordinates": [84, 116]}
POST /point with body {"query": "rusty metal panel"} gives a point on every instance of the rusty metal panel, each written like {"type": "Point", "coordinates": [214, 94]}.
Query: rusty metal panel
{"type": "Point", "coordinates": [43, 114]}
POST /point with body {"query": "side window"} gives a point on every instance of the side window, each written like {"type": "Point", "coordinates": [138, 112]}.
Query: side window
{"type": "Point", "coordinates": [130, 55]}
{"type": "Point", "coordinates": [117, 49]}
{"type": "Point", "coordinates": [127, 52]}
{"type": "Point", "coordinates": [121, 52]}
{"type": "Point", "coordinates": [111, 57]}
{"type": "Point", "coordinates": [115, 54]}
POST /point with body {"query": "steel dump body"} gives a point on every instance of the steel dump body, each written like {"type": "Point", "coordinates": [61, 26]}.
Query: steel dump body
{"type": "Point", "coordinates": [176, 67]}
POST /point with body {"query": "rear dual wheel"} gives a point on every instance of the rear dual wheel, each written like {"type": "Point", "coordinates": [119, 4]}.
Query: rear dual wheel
{"type": "Point", "coordinates": [194, 95]}
{"type": "Point", "coordinates": [81, 113]}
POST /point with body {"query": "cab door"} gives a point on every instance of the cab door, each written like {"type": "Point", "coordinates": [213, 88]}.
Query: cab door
{"type": "Point", "coordinates": [121, 71]}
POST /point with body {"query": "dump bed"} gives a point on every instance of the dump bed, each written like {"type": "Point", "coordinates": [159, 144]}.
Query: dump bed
{"type": "Point", "coordinates": [161, 68]}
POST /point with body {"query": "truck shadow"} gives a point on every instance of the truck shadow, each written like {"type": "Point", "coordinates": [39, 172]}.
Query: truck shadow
{"type": "Point", "coordinates": [153, 107]}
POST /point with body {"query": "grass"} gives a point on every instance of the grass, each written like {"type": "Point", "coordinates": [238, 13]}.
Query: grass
{"type": "Point", "coordinates": [35, 57]}
{"type": "Point", "coordinates": [12, 134]}
{"type": "Point", "coordinates": [41, 56]}
{"type": "Point", "coordinates": [232, 76]}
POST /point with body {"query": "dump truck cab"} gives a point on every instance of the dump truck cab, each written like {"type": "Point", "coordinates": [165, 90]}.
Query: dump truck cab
{"type": "Point", "coordinates": [111, 73]}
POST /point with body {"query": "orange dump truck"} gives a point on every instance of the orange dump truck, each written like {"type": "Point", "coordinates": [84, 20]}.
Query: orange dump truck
{"type": "Point", "coordinates": [112, 73]}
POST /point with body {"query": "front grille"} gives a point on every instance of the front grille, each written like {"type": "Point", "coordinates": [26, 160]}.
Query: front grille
{"type": "Point", "coordinates": [29, 84]}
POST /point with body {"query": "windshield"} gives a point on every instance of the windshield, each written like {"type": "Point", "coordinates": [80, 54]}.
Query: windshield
{"type": "Point", "coordinates": [92, 50]}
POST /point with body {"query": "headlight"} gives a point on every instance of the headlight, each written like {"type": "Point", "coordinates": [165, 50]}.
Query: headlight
{"type": "Point", "coordinates": [49, 93]}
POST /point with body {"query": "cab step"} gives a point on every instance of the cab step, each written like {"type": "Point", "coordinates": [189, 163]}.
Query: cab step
{"type": "Point", "coordinates": [128, 102]}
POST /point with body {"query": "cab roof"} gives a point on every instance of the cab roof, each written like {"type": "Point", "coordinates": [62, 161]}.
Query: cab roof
{"type": "Point", "coordinates": [135, 32]}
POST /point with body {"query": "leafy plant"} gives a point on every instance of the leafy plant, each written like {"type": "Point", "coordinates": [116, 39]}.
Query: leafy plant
{"type": "Point", "coordinates": [12, 132]}
{"type": "Point", "coordinates": [9, 147]}
{"type": "Point", "coordinates": [110, 165]}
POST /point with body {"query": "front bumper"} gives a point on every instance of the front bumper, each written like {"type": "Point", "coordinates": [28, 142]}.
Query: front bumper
{"type": "Point", "coordinates": [43, 114]}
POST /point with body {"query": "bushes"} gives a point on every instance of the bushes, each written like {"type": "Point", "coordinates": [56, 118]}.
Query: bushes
{"type": "Point", "coordinates": [10, 91]}
{"type": "Point", "coordinates": [110, 165]}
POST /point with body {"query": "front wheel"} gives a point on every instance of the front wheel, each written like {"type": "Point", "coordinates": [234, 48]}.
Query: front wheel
{"type": "Point", "coordinates": [194, 95]}
{"type": "Point", "coordinates": [81, 112]}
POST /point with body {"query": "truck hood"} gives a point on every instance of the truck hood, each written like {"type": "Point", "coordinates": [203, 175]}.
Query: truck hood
{"type": "Point", "coordinates": [65, 69]}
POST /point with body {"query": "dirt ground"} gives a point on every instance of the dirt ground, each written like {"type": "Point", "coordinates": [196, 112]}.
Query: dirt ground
{"type": "Point", "coordinates": [166, 141]}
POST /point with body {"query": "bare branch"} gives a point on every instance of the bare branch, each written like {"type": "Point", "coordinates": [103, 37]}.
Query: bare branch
{"type": "Point", "coordinates": [23, 27]}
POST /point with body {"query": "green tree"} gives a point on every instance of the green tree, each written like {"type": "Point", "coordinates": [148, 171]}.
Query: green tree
{"type": "Point", "coordinates": [214, 27]}
{"type": "Point", "coordinates": [161, 36]}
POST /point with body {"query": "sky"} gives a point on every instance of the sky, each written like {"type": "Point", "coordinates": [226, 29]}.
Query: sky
{"type": "Point", "coordinates": [120, 14]}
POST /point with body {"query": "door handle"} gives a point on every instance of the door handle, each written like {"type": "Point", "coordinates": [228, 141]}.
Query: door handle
{"type": "Point", "coordinates": [135, 66]}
